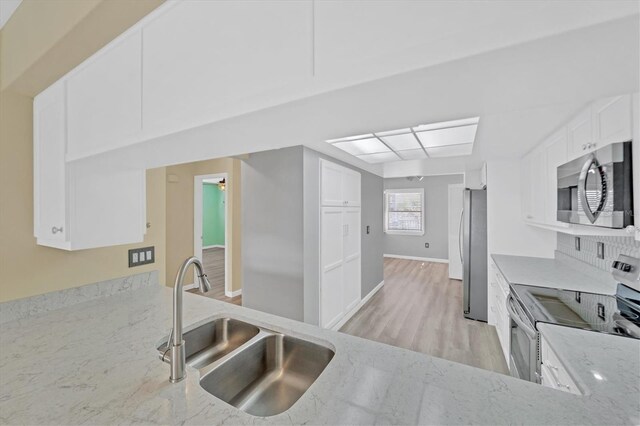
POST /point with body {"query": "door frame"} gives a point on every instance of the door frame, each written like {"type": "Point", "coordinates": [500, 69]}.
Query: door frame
{"type": "Point", "coordinates": [198, 181]}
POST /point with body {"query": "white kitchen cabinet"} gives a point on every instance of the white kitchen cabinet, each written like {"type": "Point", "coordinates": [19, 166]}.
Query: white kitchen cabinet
{"type": "Point", "coordinates": [534, 183]}
{"type": "Point", "coordinates": [340, 245]}
{"type": "Point", "coordinates": [603, 122]}
{"type": "Point", "coordinates": [611, 120]}
{"type": "Point", "coordinates": [104, 99]}
{"type": "Point", "coordinates": [553, 373]}
{"type": "Point", "coordinates": [580, 134]}
{"type": "Point", "coordinates": [556, 154]}
{"type": "Point", "coordinates": [498, 315]}
{"type": "Point", "coordinates": [203, 59]}
{"type": "Point", "coordinates": [79, 206]}
{"type": "Point", "coordinates": [339, 186]}
{"type": "Point", "coordinates": [49, 179]}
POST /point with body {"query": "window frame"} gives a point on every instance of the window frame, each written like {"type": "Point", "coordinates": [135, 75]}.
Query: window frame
{"type": "Point", "coordinates": [386, 212]}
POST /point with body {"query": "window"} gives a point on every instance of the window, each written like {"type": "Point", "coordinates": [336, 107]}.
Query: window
{"type": "Point", "coordinates": [404, 211]}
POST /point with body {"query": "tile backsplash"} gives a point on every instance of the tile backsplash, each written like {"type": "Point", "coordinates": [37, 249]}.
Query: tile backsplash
{"type": "Point", "coordinates": [613, 246]}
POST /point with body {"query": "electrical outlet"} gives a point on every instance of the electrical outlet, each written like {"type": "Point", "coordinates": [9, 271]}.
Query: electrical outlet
{"type": "Point", "coordinates": [601, 250]}
{"type": "Point", "coordinates": [577, 242]}
{"type": "Point", "coordinates": [426, 245]}
{"type": "Point", "coordinates": [142, 256]}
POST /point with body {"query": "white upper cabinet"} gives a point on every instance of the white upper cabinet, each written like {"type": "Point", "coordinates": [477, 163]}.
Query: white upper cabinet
{"type": "Point", "coordinates": [49, 178]}
{"type": "Point", "coordinates": [339, 186]}
{"type": "Point", "coordinates": [104, 99]}
{"type": "Point", "coordinates": [636, 161]}
{"type": "Point", "coordinates": [612, 120]}
{"type": "Point", "coordinates": [202, 59]}
{"type": "Point", "coordinates": [534, 185]}
{"type": "Point", "coordinates": [603, 122]}
{"type": "Point", "coordinates": [580, 134]}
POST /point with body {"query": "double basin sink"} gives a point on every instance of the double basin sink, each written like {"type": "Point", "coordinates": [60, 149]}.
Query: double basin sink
{"type": "Point", "coordinates": [259, 371]}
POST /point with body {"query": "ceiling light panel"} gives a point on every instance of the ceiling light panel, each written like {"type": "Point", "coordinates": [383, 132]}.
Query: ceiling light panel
{"type": "Point", "coordinates": [401, 142]}
{"type": "Point", "coordinates": [362, 146]}
{"type": "Point", "coordinates": [380, 157]}
{"type": "Point", "coordinates": [450, 151]}
{"type": "Point", "coordinates": [447, 124]}
{"type": "Point", "coordinates": [393, 132]}
{"type": "Point", "coordinates": [413, 154]}
{"type": "Point", "coordinates": [351, 138]}
{"type": "Point", "coordinates": [449, 136]}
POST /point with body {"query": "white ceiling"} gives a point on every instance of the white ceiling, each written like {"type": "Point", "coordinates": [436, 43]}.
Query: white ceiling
{"type": "Point", "coordinates": [7, 7]}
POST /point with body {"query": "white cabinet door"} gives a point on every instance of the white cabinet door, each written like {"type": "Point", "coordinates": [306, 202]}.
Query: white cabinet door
{"type": "Point", "coordinates": [104, 99]}
{"type": "Point", "coordinates": [533, 184]}
{"type": "Point", "coordinates": [351, 223]}
{"type": "Point", "coordinates": [331, 184]}
{"type": "Point", "coordinates": [351, 188]}
{"type": "Point", "coordinates": [331, 265]}
{"type": "Point", "coordinates": [206, 59]}
{"type": "Point", "coordinates": [611, 120]}
{"type": "Point", "coordinates": [556, 155]}
{"type": "Point", "coordinates": [50, 192]}
{"type": "Point", "coordinates": [580, 134]}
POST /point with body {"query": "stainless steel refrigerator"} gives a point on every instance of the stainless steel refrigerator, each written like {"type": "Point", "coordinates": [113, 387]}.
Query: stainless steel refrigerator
{"type": "Point", "coordinates": [473, 234]}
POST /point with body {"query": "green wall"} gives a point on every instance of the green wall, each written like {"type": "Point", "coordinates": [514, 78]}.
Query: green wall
{"type": "Point", "coordinates": [212, 215]}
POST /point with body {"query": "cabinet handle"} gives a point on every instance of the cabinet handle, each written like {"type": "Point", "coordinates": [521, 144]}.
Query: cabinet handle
{"type": "Point", "coordinates": [584, 146]}
{"type": "Point", "coordinates": [55, 230]}
{"type": "Point", "coordinates": [562, 385]}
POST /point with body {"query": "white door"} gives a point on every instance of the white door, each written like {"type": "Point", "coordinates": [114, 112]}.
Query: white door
{"type": "Point", "coordinates": [49, 164]}
{"type": "Point", "coordinates": [331, 184]}
{"type": "Point", "coordinates": [456, 194]}
{"type": "Point", "coordinates": [351, 225]}
{"type": "Point", "coordinates": [611, 120]}
{"type": "Point", "coordinates": [331, 265]}
{"type": "Point", "coordinates": [579, 134]}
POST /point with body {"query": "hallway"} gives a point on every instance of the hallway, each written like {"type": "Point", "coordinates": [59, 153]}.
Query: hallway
{"type": "Point", "coordinates": [213, 262]}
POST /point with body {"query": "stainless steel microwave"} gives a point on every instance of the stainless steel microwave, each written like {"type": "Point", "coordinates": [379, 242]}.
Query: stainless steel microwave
{"type": "Point", "coordinates": [597, 189]}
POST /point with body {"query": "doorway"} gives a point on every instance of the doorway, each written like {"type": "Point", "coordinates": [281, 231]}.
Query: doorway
{"type": "Point", "coordinates": [211, 232]}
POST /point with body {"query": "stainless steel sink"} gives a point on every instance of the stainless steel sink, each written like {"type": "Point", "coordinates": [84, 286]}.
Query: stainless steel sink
{"type": "Point", "coordinates": [213, 340]}
{"type": "Point", "coordinates": [269, 375]}
{"type": "Point", "coordinates": [257, 370]}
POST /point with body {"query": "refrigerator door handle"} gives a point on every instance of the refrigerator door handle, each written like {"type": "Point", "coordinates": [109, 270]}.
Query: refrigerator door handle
{"type": "Point", "coordinates": [460, 242]}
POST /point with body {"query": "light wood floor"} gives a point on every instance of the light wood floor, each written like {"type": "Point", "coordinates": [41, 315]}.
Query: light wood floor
{"type": "Point", "coordinates": [420, 308]}
{"type": "Point", "coordinates": [213, 262]}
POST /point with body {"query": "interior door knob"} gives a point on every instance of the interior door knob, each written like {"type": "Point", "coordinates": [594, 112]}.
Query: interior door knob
{"type": "Point", "coordinates": [55, 230]}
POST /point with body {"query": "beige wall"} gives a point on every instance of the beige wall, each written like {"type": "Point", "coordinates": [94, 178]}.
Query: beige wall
{"type": "Point", "coordinates": [42, 41]}
{"type": "Point", "coordinates": [179, 214]}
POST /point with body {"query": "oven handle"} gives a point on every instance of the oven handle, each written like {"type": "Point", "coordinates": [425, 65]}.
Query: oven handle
{"type": "Point", "coordinates": [582, 188]}
{"type": "Point", "coordinates": [518, 319]}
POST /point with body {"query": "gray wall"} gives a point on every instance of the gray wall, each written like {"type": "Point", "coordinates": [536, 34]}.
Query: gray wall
{"type": "Point", "coordinates": [372, 261]}
{"type": "Point", "coordinates": [280, 232]}
{"type": "Point", "coordinates": [272, 232]}
{"type": "Point", "coordinates": [435, 221]}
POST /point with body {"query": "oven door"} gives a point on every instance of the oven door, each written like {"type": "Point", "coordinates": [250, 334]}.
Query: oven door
{"type": "Point", "coordinates": [523, 362]}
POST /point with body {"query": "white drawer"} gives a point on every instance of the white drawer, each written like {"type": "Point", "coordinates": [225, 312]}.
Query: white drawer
{"type": "Point", "coordinates": [553, 373]}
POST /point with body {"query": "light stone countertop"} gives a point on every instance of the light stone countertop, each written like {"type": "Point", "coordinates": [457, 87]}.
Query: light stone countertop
{"type": "Point", "coordinates": [96, 362]}
{"type": "Point", "coordinates": [599, 363]}
{"type": "Point", "coordinates": [554, 273]}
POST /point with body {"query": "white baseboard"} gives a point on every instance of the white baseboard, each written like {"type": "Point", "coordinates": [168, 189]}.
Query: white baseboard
{"type": "Point", "coordinates": [353, 311]}
{"type": "Point", "coordinates": [213, 246]}
{"type": "Point", "coordinates": [423, 259]}
{"type": "Point", "coordinates": [233, 293]}
{"type": "Point", "coordinates": [189, 286]}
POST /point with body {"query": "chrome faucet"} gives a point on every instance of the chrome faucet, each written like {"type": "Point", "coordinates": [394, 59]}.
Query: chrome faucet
{"type": "Point", "coordinates": [175, 342]}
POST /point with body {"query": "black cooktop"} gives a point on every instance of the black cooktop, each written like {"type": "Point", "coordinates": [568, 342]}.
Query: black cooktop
{"type": "Point", "coordinates": [619, 315]}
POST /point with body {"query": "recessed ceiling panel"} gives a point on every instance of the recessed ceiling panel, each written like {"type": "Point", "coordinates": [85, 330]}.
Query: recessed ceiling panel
{"type": "Point", "coordinates": [447, 124]}
{"type": "Point", "coordinates": [450, 151]}
{"type": "Point", "coordinates": [448, 136]}
{"type": "Point", "coordinates": [401, 142]}
{"type": "Point", "coordinates": [412, 154]}
{"type": "Point", "coordinates": [351, 138]}
{"type": "Point", "coordinates": [381, 157]}
{"type": "Point", "coordinates": [362, 146]}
